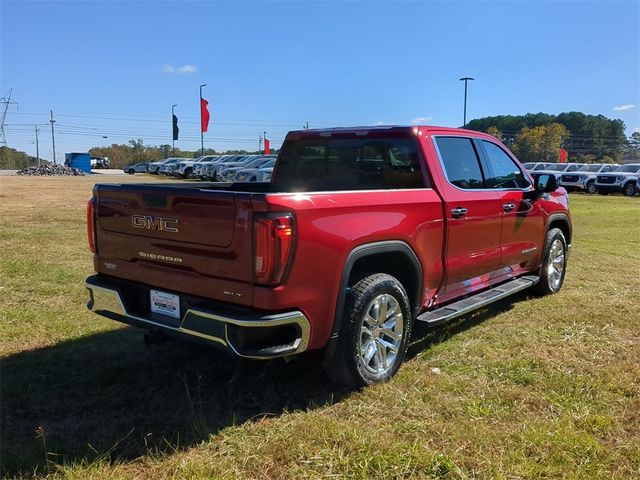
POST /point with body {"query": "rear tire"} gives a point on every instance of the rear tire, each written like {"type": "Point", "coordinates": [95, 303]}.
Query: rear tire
{"type": "Point", "coordinates": [554, 263]}
{"type": "Point", "coordinates": [591, 188]}
{"type": "Point", "coordinates": [374, 334]}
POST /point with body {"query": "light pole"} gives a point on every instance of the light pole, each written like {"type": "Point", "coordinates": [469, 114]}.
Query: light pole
{"type": "Point", "coordinates": [201, 130]}
{"type": "Point", "coordinates": [466, 79]}
{"type": "Point", "coordinates": [173, 127]}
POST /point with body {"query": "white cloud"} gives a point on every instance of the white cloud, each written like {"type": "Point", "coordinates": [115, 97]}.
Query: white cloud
{"type": "Point", "coordinates": [188, 69]}
{"type": "Point", "coordinates": [380, 122]}
{"type": "Point", "coordinates": [622, 108]}
{"type": "Point", "coordinates": [183, 69]}
{"type": "Point", "coordinates": [419, 120]}
{"type": "Point", "coordinates": [637, 130]}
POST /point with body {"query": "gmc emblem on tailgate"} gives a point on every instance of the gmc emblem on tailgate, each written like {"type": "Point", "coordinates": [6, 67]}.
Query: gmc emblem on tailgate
{"type": "Point", "coordinates": [155, 223]}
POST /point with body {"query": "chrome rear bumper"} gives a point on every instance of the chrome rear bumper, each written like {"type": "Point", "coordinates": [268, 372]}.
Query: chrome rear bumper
{"type": "Point", "coordinates": [259, 336]}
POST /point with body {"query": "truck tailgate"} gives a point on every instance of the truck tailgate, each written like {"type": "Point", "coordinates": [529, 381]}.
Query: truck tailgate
{"type": "Point", "coordinates": [183, 239]}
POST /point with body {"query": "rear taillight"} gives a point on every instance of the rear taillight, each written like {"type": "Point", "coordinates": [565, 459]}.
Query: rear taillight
{"type": "Point", "coordinates": [91, 232]}
{"type": "Point", "coordinates": [273, 237]}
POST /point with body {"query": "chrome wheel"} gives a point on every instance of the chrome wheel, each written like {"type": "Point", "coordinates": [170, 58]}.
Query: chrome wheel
{"type": "Point", "coordinates": [381, 333]}
{"type": "Point", "coordinates": [556, 264]}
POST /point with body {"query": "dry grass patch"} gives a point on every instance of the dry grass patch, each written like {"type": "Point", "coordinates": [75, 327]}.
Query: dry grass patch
{"type": "Point", "coordinates": [529, 388]}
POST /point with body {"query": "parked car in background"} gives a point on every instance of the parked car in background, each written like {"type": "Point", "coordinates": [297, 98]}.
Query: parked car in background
{"type": "Point", "coordinates": [137, 168]}
{"type": "Point", "coordinates": [624, 179]}
{"type": "Point", "coordinates": [228, 174]}
{"type": "Point", "coordinates": [556, 169]}
{"type": "Point", "coordinates": [264, 174]}
{"type": "Point", "coordinates": [167, 167]}
{"type": "Point", "coordinates": [536, 166]}
{"type": "Point", "coordinates": [200, 168]}
{"type": "Point", "coordinates": [184, 168]}
{"type": "Point", "coordinates": [153, 167]}
{"type": "Point", "coordinates": [212, 168]}
{"type": "Point", "coordinates": [252, 174]}
{"type": "Point", "coordinates": [584, 177]}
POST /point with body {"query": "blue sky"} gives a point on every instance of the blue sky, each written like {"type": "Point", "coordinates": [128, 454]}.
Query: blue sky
{"type": "Point", "coordinates": [115, 68]}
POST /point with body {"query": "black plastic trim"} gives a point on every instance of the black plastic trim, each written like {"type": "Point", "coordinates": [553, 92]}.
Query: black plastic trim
{"type": "Point", "coordinates": [366, 250]}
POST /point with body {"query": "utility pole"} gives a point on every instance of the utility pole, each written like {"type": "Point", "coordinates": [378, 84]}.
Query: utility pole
{"type": "Point", "coordinates": [201, 130]}
{"type": "Point", "coordinates": [265, 142]}
{"type": "Point", "coordinates": [259, 143]}
{"type": "Point", "coordinates": [306, 126]}
{"type": "Point", "coordinates": [37, 145]}
{"type": "Point", "coordinates": [6, 100]}
{"type": "Point", "coordinates": [53, 136]}
{"type": "Point", "coordinates": [466, 79]}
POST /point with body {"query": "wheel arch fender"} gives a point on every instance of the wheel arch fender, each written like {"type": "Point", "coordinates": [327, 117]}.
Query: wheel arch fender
{"type": "Point", "coordinates": [358, 257]}
{"type": "Point", "coordinates": [561, 221]}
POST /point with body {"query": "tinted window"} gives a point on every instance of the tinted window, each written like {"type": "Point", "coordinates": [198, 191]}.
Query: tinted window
{"type": "Point", "coordinates": [460, 162]}
{"type": "Point", "coordinates": [590, 168]}
{"type": "Point", "coordinates": [558, 167]}
{"type": "Point", "coordinates": [349, 163]}
{"type": "Point", "coordinates": [505, 172]}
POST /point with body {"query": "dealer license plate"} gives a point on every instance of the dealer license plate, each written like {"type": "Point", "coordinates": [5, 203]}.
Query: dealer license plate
{"type": "Point", "coordinates": [165, 304]}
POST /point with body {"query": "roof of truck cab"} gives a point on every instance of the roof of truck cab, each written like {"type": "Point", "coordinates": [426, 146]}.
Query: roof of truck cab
{"type": "Point", "coordinates": [389, 128]}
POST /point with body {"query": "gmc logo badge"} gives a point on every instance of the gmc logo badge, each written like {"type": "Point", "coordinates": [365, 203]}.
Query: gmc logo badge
{"type": "Point", "coordinates": [155, 223]}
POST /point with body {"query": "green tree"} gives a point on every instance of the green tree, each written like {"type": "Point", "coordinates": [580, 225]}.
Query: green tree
{"type": "Point", "coordinates": [493, 130]}
{"type": "Point", "coordinates": [12, 159]}
{"type": "Point", "coordinates": [539, 144]}
{"type": "Point", "coordinates": [594, 135]}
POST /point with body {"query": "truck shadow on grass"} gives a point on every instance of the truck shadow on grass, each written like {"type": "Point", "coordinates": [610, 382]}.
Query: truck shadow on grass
{"type": "Point", "coordinates": [110, 396]}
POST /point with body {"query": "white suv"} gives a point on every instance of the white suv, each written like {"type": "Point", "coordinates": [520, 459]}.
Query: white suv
{"type": "Point", "coordinates": [623, 179]}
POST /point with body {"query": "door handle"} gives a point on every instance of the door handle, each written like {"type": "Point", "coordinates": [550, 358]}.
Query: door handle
{"type": "Point", "coordinates": [458, 212]}
{"type": "Point", "coordinates": [507, 207]}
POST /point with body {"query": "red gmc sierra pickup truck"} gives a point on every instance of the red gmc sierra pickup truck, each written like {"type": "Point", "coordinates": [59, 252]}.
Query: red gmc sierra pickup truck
{"type": "Point", "coordinates": [362, 232]}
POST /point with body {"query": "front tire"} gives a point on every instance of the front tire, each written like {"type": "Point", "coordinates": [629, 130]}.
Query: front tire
{"type": "Point", "coordinates": [591, 188]}
{"type": "Point", "coordinates": [629, 189]}
{"type": "Point", "coordinates": [131, 171]}
{"type": "Point", "coordinates": [554, 263]}
{"type": "Point", "coordinates": [374, 334]}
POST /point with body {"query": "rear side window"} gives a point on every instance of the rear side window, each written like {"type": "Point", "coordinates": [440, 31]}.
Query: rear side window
{"type": "Point", "coordinates": [504, 171]}
{"type": "Point", "coordinates": [349, 163]}
{"type": "Point", "coordinates": [460, 162]}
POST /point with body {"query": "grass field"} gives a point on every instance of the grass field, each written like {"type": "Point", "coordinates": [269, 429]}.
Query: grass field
{"type": "Point", "coordinates": [529, 388]}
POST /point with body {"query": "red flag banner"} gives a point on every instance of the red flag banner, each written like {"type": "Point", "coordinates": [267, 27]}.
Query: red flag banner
{"type": "Point", "coordinates": [204, 115]}
{"type": "Point", "coordinates": [563, 155]}
{"type": "Point", "coordinates": [267, 146]}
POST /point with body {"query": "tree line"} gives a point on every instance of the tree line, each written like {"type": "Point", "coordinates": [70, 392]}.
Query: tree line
{"type": "Point", "coordinates": [12, 159]}
{"type": "Point", "coordinates": [538, 137]}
